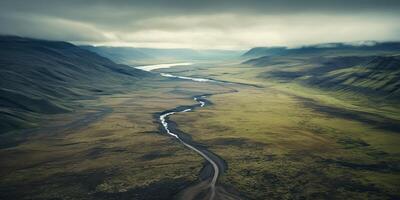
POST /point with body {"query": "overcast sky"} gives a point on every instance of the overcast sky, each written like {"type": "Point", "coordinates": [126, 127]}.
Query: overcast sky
{"type": "Point", "coordinates": [205, 24]}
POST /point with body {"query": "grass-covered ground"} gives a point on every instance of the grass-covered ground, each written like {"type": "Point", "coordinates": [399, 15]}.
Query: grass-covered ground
{"type": "Point", "coordinates": [121, 154]}
{"type": "Point", "coordinates": [280, 139]}
{"type": "Point", "coordinates": [284, 140]}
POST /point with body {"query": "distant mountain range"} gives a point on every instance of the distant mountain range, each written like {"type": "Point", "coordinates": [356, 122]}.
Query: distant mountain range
{"type": "Point", "coordinates": [120, 54]}
{"type": "Point", "coordinates": [326, 48]}
{"type": "Point", "coordinates": [131, 55]}
{"type": "Point", "coordinates": [43, 77]}
{"type": "Point", "coordinates": [372, 70]}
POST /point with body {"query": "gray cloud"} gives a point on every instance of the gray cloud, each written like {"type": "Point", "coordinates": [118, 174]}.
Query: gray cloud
{"type": "Point", "coordinates": [202, 24]}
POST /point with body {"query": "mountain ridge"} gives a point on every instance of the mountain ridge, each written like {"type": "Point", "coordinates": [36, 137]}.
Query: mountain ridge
{"type": "Point", "coordinates": [45, 77]}
{"type": "Point", "coordinates": [323, 48]}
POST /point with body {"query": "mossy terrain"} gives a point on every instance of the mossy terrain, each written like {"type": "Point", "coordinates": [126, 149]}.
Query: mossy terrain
{"type": "Point", "coordinates": [286, 132]}
{"type": "Point", "coordinates": [119, 155]}
{"type": "Point", "coordinates": [287, 140]}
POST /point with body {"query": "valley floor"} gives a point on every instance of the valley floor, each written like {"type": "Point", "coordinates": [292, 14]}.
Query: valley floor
{"type": "Point", "coordinates": [119, 154]}
{"type": "Point", "coordinates": [286, 141]}
{"type": "Point", "coordinates": [280, 141]}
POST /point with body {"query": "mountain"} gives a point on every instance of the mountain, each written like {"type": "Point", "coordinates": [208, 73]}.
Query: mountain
{"type": "Point", "coordinates": [44, 77]}
{"type": "Point", "coordinates": [191, 54]}
{"type": "Point", "coordinates": [371, 69]}
{"type": "Point", "coordinates": [264, 51]}
{"type": "Point", "coordinates": [377, 76]}
{"type": "Point", "coordinates": [367, 48]}
{"type": "Point", "coordinates": [120, 54]}
{"type": "Point", "coordinates": [132, 55]}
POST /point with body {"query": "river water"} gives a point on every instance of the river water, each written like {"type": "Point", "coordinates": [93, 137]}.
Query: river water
{"type": "Point", "coordinates": [164, 117]}
{"type": "Point", "coordinates": [161, 66]}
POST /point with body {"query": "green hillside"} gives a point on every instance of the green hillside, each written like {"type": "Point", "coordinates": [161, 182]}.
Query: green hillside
{"type": "Point", "coordinates": [44, 77]}
{"type": "Point", "coordinates": [120, 54]}
{"type": "Point", "coordinates": [377, 76]}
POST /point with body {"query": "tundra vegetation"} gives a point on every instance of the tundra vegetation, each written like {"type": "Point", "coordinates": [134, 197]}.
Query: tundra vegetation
{"type": "Point", "coordinates": [290, 125]}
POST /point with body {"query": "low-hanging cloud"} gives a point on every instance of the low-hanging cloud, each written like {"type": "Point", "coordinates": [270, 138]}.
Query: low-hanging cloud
{"type": "Point", "coordinates": [215, 24]}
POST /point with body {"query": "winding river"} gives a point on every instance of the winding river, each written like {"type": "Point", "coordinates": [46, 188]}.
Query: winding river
{"type": "Point", "coordinates": [164, 122]}
{"type": "Point", "coordinates": [163, 66]}
{"type": "Point", "coordinates": [164, 118]}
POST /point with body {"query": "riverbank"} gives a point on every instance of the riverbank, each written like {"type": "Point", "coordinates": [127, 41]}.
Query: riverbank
{"type": "Point", "coordinates": [215, 166]}
{"type": "Point", "coordinates": [279, 145]}
{"type": "Point", "coordinates": [206, 187]}
{"type": "Point", "coordinates": [121, 155]}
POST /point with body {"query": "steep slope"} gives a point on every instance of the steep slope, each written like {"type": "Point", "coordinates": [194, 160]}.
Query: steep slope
{"type": "Point", "coordinates": [43, 77]}
{"type": "Point", "coordinates": [119, 54]}
{"type": "Point", "coordinates": [263, 51]}
{"type": "Point", "coordinates": [378, 75]}
{"type": "Point", "coordinates": [371, 69]}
